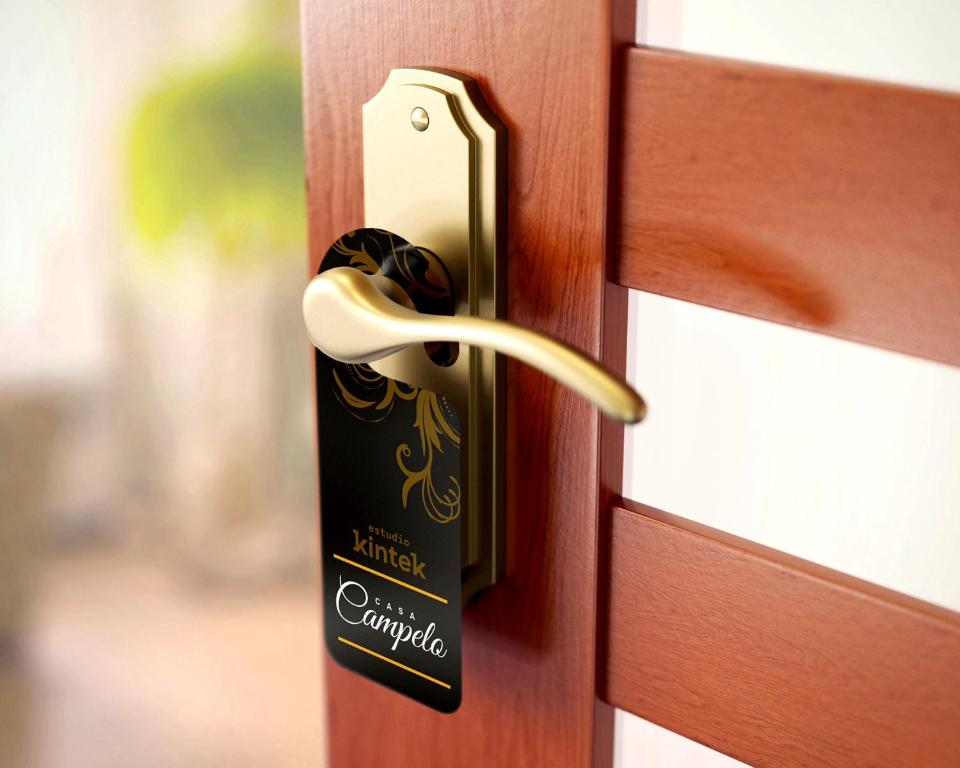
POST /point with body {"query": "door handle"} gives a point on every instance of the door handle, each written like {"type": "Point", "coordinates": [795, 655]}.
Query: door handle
{"type": "Point", "coordinates": [349, 318]}
{"type": "Point", "coordinates": [412, 430]}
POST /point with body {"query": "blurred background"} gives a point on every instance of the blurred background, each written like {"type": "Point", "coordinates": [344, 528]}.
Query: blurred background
{"type": "Point", "coordinates": [157, 533]}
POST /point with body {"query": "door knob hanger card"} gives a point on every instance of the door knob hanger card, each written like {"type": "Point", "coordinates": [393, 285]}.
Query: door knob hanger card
{"type": "Point", "coordinates": [410, 425]}
{"type": "Point", "coordinates": [390, 499]}
{"type": "Point", "coordinates": [407, 536]}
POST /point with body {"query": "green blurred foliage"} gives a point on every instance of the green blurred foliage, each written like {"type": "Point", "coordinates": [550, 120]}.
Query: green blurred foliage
{"type": "Point", "coordinates": [218, 153]}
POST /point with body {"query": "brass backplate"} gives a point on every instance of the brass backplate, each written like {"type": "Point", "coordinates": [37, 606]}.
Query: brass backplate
{"type": "Point", "coordinates": [433, 172]}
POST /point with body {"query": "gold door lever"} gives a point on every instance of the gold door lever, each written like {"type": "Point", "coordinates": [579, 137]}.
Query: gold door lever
{"type": "Point", "coordinates": [349, 319]}
{"type": "Point", "coordinates": [434, 170]}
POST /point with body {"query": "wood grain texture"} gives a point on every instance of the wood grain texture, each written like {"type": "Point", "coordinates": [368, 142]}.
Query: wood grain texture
{"type": "Point", "coordinates": [772, 659]}
{"type": "Point", "coordinates": [530, 644]}
{"type": "Point", "coordinates": [821, 202]}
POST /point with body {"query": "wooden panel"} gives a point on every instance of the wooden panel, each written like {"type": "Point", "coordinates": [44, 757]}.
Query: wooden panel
{"type": "Point", "coordinates": [772, 659]}
{"type": "Point", "coordinates": [821, 202]}
{"type": "Point", "coordinates": [530, 644]}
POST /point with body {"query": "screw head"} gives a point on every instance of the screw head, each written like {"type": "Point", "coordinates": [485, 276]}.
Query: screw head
{"type": "Point", "coordinates": [419, 118]}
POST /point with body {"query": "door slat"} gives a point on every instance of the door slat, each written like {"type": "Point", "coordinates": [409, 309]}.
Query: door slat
{"type": "Point", "coordinates": [772, 659]}
{"type": "Point", "coordinates": [822, 202]}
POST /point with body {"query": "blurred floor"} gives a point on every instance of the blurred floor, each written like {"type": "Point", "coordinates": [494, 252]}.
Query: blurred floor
{"type": "Point", "coordinates": [120, 665]}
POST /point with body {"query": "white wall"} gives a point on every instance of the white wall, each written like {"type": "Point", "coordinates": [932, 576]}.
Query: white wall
{"type": "Point", "coordinates": [843, 454]}
{"type": "Point", "coordinates": [911, 42]}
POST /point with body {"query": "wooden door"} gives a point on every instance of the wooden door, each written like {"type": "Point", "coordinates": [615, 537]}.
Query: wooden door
{"type": "Point", "coordinates": [607, 603]}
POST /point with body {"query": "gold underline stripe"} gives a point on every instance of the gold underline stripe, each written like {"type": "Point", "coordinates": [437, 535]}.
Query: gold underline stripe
{"type": "Point", "coordinates": [390, 578]}
{"type": "Point", "coordinates": [391, 661]}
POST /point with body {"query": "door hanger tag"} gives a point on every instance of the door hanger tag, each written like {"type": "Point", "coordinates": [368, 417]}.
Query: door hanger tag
{"type": "Point", "coordinates": [390, 498]}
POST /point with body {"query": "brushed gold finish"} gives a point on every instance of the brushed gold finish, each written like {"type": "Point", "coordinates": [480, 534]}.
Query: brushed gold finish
{"type": "Point", "coordinates": [443, 189]}
{"type": "Point", "coordinates": [434, 160]}
{"type": "Point", "coordinates": [349, 319]}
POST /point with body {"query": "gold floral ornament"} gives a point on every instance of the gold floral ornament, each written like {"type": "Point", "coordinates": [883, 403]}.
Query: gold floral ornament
{"type": "Point", "coordinates": [366, 394]}
{"type": "Point", "coordinates": [358, 257]}
{"type": "Point", "coordinates": [370, 396]}
{"type": "Point", "coordinates": [441, 505]}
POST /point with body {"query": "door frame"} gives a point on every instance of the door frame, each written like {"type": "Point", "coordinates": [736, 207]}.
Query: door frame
{"type": "Point", "coordinates": [606, 141]}
{"type": "Point", "coordinates": [530, 644]}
